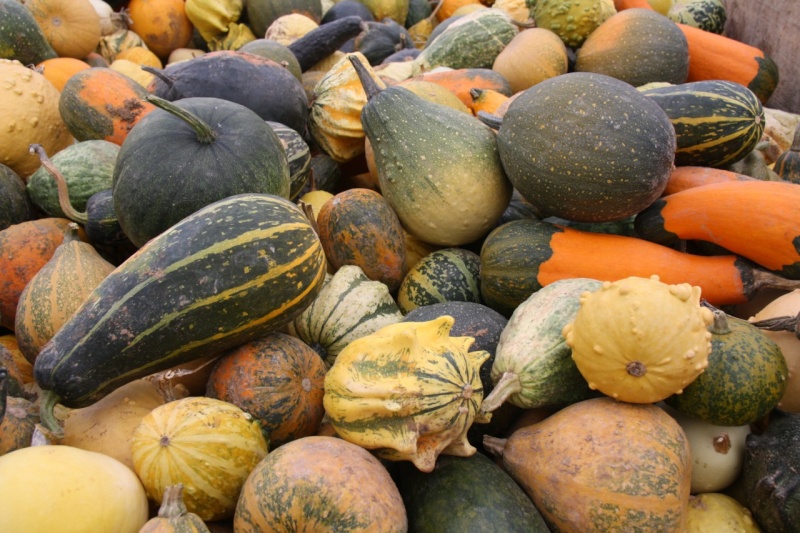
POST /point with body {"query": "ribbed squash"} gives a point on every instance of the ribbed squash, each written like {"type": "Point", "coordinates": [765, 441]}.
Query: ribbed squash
{"type": "Point", "coordinates": [209, 445]}
{"type": "Point", "coordinates": [717, 122]}
{"type": "Point", "coordinates": [621, 347]}
{"type": "Point", "coordinates": [57, 290]}
{"type": "Point", "coordinates": [409, 391]}
{"type": "Point", "coordinates": [278, 380]}
{"type": "Point", "coordinates": [447, 275]}
{"type": "Point", "coordinates": [320, 483]}
{"type": "Point", "coordinates": [348, 307]}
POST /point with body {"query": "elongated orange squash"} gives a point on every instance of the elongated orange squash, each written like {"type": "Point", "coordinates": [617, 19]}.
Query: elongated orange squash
{"type": "Point", "coordinates": [522, 256]}
{"type": "Point", "coordinates": [690, 176]}
{"type": "Point", "coordinates": [462, 80]}
{"type": "Point", "coordinates": [716, 57]}
{"type": "Point", "coordinates": [759, 220]}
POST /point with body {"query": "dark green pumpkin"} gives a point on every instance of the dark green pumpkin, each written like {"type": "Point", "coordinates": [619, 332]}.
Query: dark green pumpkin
{"type": "Point", "coordinates": [466, 494]}
{"type": "Point", "coordinates": [15, 207]}
{"type": "Point", "coordinates": [717, 122]}
{"type": "Point", "coordinates": [574, 147]}
{"type": "Point", "coordinates": [745, 378]}
{"type": "Point", "coordinates": [87, 168]}
{"type": "Point", "coordinates": [234, 271]}
{"type": "Point", "coordinates": [298, 155]}
{"type": "Point", "coordinates": [381, 39]}
{"type": "Point", "coordinates": [189, 154]}
{"type": "Point", "coordinates": [446, 275]}
{"type": "Point", "coordinates": [787, 165]}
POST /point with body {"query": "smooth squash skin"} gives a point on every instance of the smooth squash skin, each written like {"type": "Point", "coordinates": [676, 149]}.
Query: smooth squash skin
{"type": "Point", "coordinates": [759, 220]}
{"type": "Point", "coordinates": [687, 177]}
{"type": "Point", "coordinates": [462, 81]}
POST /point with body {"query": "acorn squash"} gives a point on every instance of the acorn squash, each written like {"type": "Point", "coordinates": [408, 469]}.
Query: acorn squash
{"type": "Point", "coordinates": [446, 275]}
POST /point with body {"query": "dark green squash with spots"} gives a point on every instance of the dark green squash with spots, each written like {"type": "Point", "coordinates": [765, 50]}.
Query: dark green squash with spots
{"type": "Point", "coordinates": [447, 275]}
{"type": "Point", "coordinates": [574, 147]}
{"type": "Point", "coordinates": [466, 494]}
{"type": "Point", "coordinates": [745, 378]}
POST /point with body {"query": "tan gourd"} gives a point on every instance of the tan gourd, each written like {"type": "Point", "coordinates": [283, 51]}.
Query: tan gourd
{"type": "Point", "coordinates": [532, 56]}
{"type": "Point", "coordinates": [72, 27]}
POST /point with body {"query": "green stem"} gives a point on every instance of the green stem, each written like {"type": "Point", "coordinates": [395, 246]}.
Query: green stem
{"type": "Point", "coordinates": [508, 384]}
{"type": "Point", "coordinates": [61, 184]}
{"type": "Point", "coordinates": [47, 415]}
{"type": "Point", "coordinates": [205, 134]}
{"type": "Point", "coordinates": [370, 86]}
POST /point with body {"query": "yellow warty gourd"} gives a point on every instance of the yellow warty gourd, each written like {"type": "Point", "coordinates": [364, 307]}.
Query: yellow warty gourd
{"type": "Point", "coordinates": [409, 391]}
{"type": "Point", "coordinates": [572, 20]}
{"type": "Point", "coordinates": [640, 340]}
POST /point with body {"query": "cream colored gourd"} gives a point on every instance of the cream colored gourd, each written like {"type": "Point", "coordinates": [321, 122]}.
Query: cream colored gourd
{"type": "Point", "coordinates": [640, 340]}
{"type": "Point", "coordinates": [786, 305]}
{"type": "Point", "coordinates": [713, 512]}
{"type": "Point", "coordinates": [28, 114]}
{"type": "Point", "coordinates": [55, 488]}
{"type": "Point", "coordinates": [208, 445]}
{"type": "Point", "coordinates": [409, 391]}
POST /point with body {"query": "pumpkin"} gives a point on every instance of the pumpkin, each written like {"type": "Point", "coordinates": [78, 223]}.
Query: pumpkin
{"type": "Point", "coordinates": [785, 306]}
{"type": "Point", "coordinates": [59, 69]}
{"type": "Point", "coordinates": [359, 227]}
{"type": "Point", "coordinates": [637, 46]}
{"type": "Point", "coordinates": [446, 275]}
{"type": "Point", "coordinates": [100, 103]}
{"type": "Point", "coordinates": [533, 55]}
{"type": "Point", "coordinates": [602, 465]}
{"type": "Point", "coordinates": [207, 444]}
{"type": "Point", "coordinates": [712, 510]}
{"type": "Point", "coordinates": [162, 24]}
{"type": "Point", "coordinates": [29, 105]}
{"type": "Point", "coordinates": [348, 307]}
{"type": "Point", "coordinates": [140, 56]}
{"type": "Point", "coordinates": [582, 180]}
{"type": "Point", "coordinates": [85, 491]}
{"type": "Point", "coordinates": [572, 21]}
{"type": "Point", "coordinates": [107, 426]}
{"type": "Point", "coordinates": [621, 348]}
{"type": "Point", "coordinates": [417, 389]}
{"type": "Point", "coordinates": [278, 380]}
{"type": "Point", "coordinates": [223, 138]}
{"type": "Point", "coordinates": [24, 249]}
{"type": "Point", "coordinates": [17, 424]}
{"type": "Point", "coordinates": [320, 483]}
{"type": "Point", "coordinates": [15, 206]}
{"type": "Point", "coordinates": [56, 291]}
{"type": "Point", "coordinates": [173, 517]}
{"type": "Point", "coordinates": [72, 27]}
{"type": "Point", "coordinates": [745, 379]}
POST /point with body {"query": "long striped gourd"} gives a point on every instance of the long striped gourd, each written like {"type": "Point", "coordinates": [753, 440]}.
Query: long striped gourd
{"type": "Point", "coordinates": [231, 272]}
{"type": "Point", "coordinates": [716, 122]}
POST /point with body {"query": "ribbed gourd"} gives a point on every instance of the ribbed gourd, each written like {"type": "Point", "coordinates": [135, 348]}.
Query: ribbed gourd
{"type": "Point", "coordinates": [622, 347]}
{"type": "Point", "coordinates": [409, 391]}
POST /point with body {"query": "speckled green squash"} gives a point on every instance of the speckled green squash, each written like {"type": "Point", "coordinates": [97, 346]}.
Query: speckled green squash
{"type": "Point", "coordinates": [473, 41]}
{"type": "Point", "coordinates": [320, 484]}
{"type": "Point", "coordinates": [15, 207]}
{"type": "Point", "coordinates": [717, 122]}
{"type": "Point", "coordinates": [447, 275]}
{"type": "Point", "coordinates": [745, 378]}
{"type": "Point", "coordinates": [573, 147]}
{"type": "Point", "coordinates": [87, 167]}
{"type": "Point", "coordinates": [708, 15]}
{"type": "Point", "coordinates": [466, 494]}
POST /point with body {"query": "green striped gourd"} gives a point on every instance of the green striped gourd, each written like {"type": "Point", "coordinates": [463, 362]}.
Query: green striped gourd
{"type": "Point", "coordinates": [297, 153]}
{"type": "Point", "coordinates": [447, 275]}
{"type": "Point", "coordinates": [717, 122]}
{"type": "Point", "coordinates": [349, 306]}
{"type": "Point", "coordinates": [236, 270]}
{"type": "Point", "coordinates": [533, 365]}
{"type": "Point", "coordinates": [473, 41]}
{"type": "Point", "coordinates": [409, 391]}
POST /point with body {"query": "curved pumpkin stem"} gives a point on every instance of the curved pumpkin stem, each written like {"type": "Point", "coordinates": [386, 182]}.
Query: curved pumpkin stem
{"type": "Point", "coordinates": [48, 401]}
{"type": "Point", "coordinates": [370, 87]}
{"type": "Point", "coordinates": [61, 184]}
{"type": "Point", "coordinates": [158, 73]}
{"type": "Point", "coordinates": [494, 445]}
{"type": "Point", "coordinates": [172, 505]}
{"type": "Point", "coordinates": [205, 134]}
{"type": "Point", "coordinates": [781, 323]}
{"type": "Point", "coordinates": [508, 384]}
{"type": "Point", "coordinates": [493, 121]}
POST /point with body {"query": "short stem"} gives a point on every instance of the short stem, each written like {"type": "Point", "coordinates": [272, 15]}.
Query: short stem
{"type": "Point", "coordinates": [720, 325]}
{"type": "Point", "coordinates": [494, 445]}
{"type": "Point", "coordinates": [205, 134]}
{"type": "Point", "coordinates": [507, 385]}
{"type": "Point", "coordinates": [48, 400]}
{"type": "Point", "coordinates": [493, 121]}
{"type": "Point", "coordinates": [158, 73]}
{"type": "Point", "coordinates": [61, 184]}
{"type": "Point", "coordinates": [172, 505]}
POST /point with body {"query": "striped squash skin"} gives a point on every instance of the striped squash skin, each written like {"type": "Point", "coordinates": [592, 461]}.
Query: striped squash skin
{"type": "Point", "coordinates": [297, 153]}
{"type": "Point", "coordinates": [449, 275]}
{"type": "Point", "coordinates": [349, 307]}
{"type": "Point", "coordinates": [233, 271]}
{"type": "Point", "coordinates": [717, 122]}
{"type": "Point", "coordinates": [209, 445]}
{"type": "Point", "coordinates": [409, 391]}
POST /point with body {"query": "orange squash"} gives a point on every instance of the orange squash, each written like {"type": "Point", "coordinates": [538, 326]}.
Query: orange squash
{"type": "Point", "coordinates": [141, 56]}
{"type": "Point", "coordinates": [162, 24]}
{"type": "Point", "coordinates": [59, 69]}
{"type": "Point", "coordinates": [100, 103]}
{"type": "Point", "coordinates": [24, 249]}
{"type": "Point", "coordinates": [462, 81]}
{"type": "Point", "coordinates": [686, 177]}
{"type": "Point", "coordinates": [72, 27]}
{"type": "Point", "coordinates": [279, 380]}
{"type": "Point", "coordinates": [486, 100]}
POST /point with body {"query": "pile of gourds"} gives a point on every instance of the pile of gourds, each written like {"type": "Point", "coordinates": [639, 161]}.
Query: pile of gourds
{"type": "Point", "coordinates": [395, 265]}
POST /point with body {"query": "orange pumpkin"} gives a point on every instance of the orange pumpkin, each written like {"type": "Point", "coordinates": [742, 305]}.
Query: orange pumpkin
{"type": "Point", "coordinates": [278, 379]}
{"type": "Point", "coordinates": [59, 69]}
{"type": "Point", "coordinates": [72, 27]}
{"type": "Point", "coordinates": [162, 24]}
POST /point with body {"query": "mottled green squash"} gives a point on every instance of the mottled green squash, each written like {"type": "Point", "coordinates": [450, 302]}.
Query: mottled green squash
{"type": "Point", "coordinates": [708, 15]}
{"type": "Point", "coordinates": [446, 275]}
{"type": "Point", "coordinates": [15, 206]}
{"type": "Point", "coordinates": [21, 37]}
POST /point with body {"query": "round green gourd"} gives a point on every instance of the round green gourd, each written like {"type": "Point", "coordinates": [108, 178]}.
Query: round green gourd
{"type": "Point", "coordinates": [447, 275]}
{"type": "Point", "coordinates": [87, 167]}
{"type": "Point", "coordinates": [15, 207]}
{"type": "Point", "coordinates": [189, 154]}
{"type": "Point", "coordinates": [575, 147]}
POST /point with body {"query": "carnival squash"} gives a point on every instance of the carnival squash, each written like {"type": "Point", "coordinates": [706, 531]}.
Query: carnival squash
{"type": "Point", "coordinates": [209, 445]}
{"type": "Point", "coordinates": [262, 13]}
{"type": "Point", "coordinates": [278, 380]}
{"type": "Point", "coordinates": [446, 275]}
{"type": "Point", "coordinates": [72, 27]}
